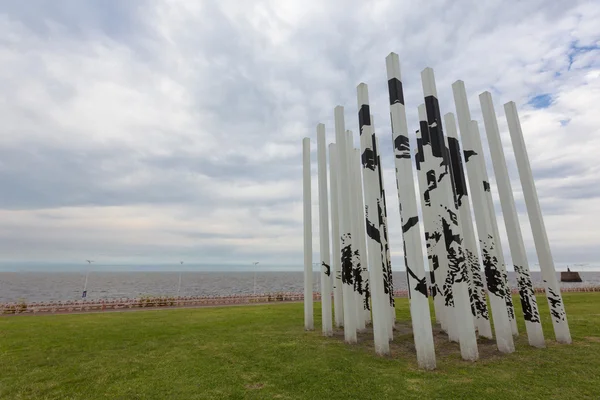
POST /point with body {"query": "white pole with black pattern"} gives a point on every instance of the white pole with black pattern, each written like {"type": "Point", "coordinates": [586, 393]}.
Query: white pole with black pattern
{"type": "Point", "coordinates": [411, 232]}
{"type": "Point", "coordinates": [476, 290]}
{"type": "Point", "coordinates": [386, 266]}
{"type": "Point", "coordinates": [345, 217]}
{"type": "Point", "coordinates": [355, 230]}
{"type": "Point", "coordinates": [362, 238]}
{"type": "Point", "coordinates": [435, 273]}
{"type": "Point", "coordinates": [437, 200]}
{"type": "Point", "coordinates": [382, 208]}
{"type": "Point", "coordinates": [511, 222]}
{"type": "Point", "coordinates": [335, 238]}
{"type": "Point", "coordinates": [457, 280]}
{"type": "Point", "coordinates": [308, 275]}
{"type": "Point", "coordinates": [536, 220]}
{"type": "Point", "coordinates": [380, 301]}
{"type": "Point", "coordinates": [326, 309]}
{"type": "Point", "coordinates": [488, 241]}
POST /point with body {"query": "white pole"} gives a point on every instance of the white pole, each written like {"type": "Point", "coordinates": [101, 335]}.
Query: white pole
{"type": "Point", "coordinates": [479, 185]}
{"type": "Point", "coordinates": [536, 220]}
{"type": "Point", "coordinates": [476, 290]}
{"type": "Point", "coordinates": [362, 237]}
{"type": "Point", "coordinates": [382, 208]}
{"type": "Point", "coordinates": [308, 274]}
{"type": "Point", "coordinates": [84, 293]}
{"type": "Point", "coordinates": [380, 300]}
{"type": "Point", "coordinates": [255, 264]}
{"type": "Point", "coordinates": [435, 271]}
{"type": "Point", "coordinates": [411, 232]}
{"type": "Point", "coordinates": [324, 233]}
{"type": "Point", "coordinates": [355, 226]}
{"type": "Point", "coordinates": [335, 237]}
{"type": "Point", "coordinates": [511, 221]}
{"type": "Point", "coordinates": [437, 201]}
{"type": "Point", "coordinates": [499, 252]}
{"type": "Point", "coordinates": [179, 284]}
{"type": "Point", "coordinates": [457, 277]}
{"type": "Point", "coordinates": [345, 228]}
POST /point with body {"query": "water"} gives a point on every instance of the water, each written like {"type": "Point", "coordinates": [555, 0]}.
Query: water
{"type": "Point", "coordinates": [55, 286]}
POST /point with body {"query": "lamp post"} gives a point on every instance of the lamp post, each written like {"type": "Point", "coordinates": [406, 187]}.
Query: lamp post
{"type": "Point", "coordinates": [255, 263]}
{"type": "Point", "coordinates": [87, 274]}
{"type": "Point", "coordinates": [179, 284]}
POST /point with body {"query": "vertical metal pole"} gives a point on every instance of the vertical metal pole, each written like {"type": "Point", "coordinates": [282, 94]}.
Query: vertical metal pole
{"type": "Point", "coordinates": [536, 220]}
{"type": "Point", "coordinates": [489, 242]}
{"type": "Point", "coordinates": [308, 274]}
{"type": "Point", "coordinates": [346, 248]}
{"type": "Point", "coordinates": [476, 290]}
{"type": "Point", "coordinates": [326, 310]}
{"type": "Point", "coordinates": [335, 237]}
{"type": "Point", "coordinates": [511, 221]}
{"type": "Point", "coordinates": [411, 232]}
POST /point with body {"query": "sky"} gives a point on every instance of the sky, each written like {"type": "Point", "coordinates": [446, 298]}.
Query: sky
{"type": "Point", "coordinates": [166, 130]}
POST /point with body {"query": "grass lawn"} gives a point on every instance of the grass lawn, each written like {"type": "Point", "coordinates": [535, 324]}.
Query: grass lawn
{"type": "Point", "coordinates": [262, 352]}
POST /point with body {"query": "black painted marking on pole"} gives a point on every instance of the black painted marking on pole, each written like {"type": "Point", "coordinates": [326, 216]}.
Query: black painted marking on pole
{"type": "Point", "coordinates": [346, 259]}
{"type": "Point", "coordinates": [412, 221]}
{"type": "Point", "coordinates": [421, 283]}
{"type": "Point", "coordinates": [357, 274]}
{"type": "Point", "coordinates": [468, 154]}
{"type": "Point", "coordinates": [373, 231]}
{"type": "Point", "coordinates": [436, 134]}
{"type": "Point", "coordinates": [364, 117]}
{"type": "Point", "coordinates": [424, 128]}
{"type": "Point", "coordinates": [395, 91]}
{"type": "Point", "coordinates": [368, 159]}
{"type": "Point", "coordinates": [556, 305]}
{"type": "Point", "coordinates": [526, 293]}
{"type": "Point", "coordinates": [419, 156]}
{"type": "Point", "coordinates": [460, 183]}
{"type": "Point", "coordinates": [432, 285]}
{"type": "Point", "coordinates": [327, 268]}
{"type": "Point", "coordinates": [402, 144]}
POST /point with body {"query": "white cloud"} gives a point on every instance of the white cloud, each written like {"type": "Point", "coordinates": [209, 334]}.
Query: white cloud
{"type": "Point", "coordinates": [149, 131]}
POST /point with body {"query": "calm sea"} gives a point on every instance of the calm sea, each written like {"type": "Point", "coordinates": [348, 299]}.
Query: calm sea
{"type": "Point", "coordinates": [54, 286]}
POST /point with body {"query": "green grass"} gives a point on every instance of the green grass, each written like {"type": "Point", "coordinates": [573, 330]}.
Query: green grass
{"type": "Point", "coordinates": [262, 352]}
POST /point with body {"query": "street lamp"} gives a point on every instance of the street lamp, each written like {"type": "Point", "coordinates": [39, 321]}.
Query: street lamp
{"type": "Point", "coordinates": [255, 264]}
{"type": "Point", "coordinates": [179, 284]}
{"type": "Point", "coordinates": [87, 274]}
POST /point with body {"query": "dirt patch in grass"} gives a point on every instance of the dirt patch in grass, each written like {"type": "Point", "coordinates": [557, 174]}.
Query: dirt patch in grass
{"type": "Point", "coordinates": [254, 386]}
{"type": "Point", "coordinates": [403, 344]}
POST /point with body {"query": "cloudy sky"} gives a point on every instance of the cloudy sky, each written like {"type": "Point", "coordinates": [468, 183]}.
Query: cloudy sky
{"type": "Point", "coordinates": [150, 131]}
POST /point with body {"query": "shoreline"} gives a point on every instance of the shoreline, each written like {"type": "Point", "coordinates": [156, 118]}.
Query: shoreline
{"type": "Point", "coordinates": [160, 303]}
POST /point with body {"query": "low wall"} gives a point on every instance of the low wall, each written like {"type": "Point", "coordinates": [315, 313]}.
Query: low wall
{"type": "Point", "coordinates": [192, 301]}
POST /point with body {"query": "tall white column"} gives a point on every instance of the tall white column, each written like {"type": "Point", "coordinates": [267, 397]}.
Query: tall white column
{"type": "Point", "coordinates": [457, 279]}
{"type": "Point", "coordinates": [380, 300]}
{"type": "Point", "coordinates": [511, 221]}
{"type": "Point", "coordinates": [476, 290]}
{"type": "Point", "coordinates": [540, 237]}
{"type": "Point", "coordinates": [335, 238]}
{"type": "Point", "coordinates": [491, 253]}
{"type": "Point", "coordinates": [435, 272]}
{"type": "Point", "coordinates": [346, 249]}
{"type": "Point", "coordinates": [326, 309]}
{"type": "Point", "coordinates": [362, 237]}
{"type": "Point", "coordinates": [356, 246]}
{"type": "Point", "coordinates": [411, 232]}
{"type": "Point", "coordinates": [389, 277]}
{"type": "Point", "coordinates": [433, 201]}
{"type": "Point", "coordinates": [308, 275]}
